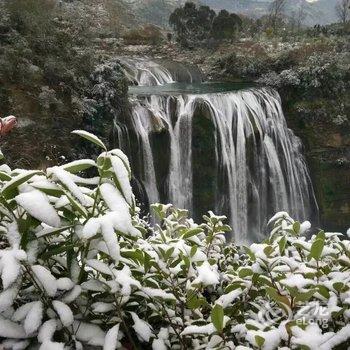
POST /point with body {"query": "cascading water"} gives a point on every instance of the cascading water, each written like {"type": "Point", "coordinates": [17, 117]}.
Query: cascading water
{"type": "Point", "coordinates": [253, 165]}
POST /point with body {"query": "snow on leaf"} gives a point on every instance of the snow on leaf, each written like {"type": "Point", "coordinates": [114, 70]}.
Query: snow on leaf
{"type": "Point", "coordinates": [89, 333]}
{"type": "Point", "coordinates": [279, 215]}
{"type": "Point", "coordinates": [206, 275]}
{"type": "Point", "coordinates": [64, 312]}
{"type": "Point", "coordinates": [9, 329]}
{"type": "Point", "coordinates": [10, 267]}
{"type": "Point", "coordinates": [65, 283]}
{"type": "Point", "coordinates": [91, 137]}
{"type": "Point", "coordinates": [9, 190]}
{"type": "Point", "coordinates": [113, 198]}
{"type": "Point", "coordinates": [124, 278]}
{"type": "Point", "coordinates": [37, 205]}
{"type": "Point", "coordinates": [47, 331]}
{"type": "Point", "coordinates": [111, 340]}
{"type": "Point", "coordinates": [7, 297]}
{"type": "Point", "coordinates": [46, 279]}
{"type": "Point", "coordinates": [207, 329]}
{"type": "Point", "coordinates": [122, 176]}
{"type": "Point", "coordinates": [79, 165]}
{"type": "Point", "coordinates": [33, 318]}
{"type": "Point", "coordinates": [227, 299]}
{"type": "Point", "coordinates": [158, 293]}
{"type": "Point", "coordinates": [21, 313]}
{"type": "Point", "coordinates": [72, 295]}
{"type": "Point", "coordinates": [100, 307]}
{"type": "Point", "coordinates": [66, 179]}
{"type": "Point", "coordinates": [159, 344]}
{"type": "Point", "coordinates": [142, 328]}
{"type": "Point", "coordinates": [271, 338]}
{"type": "Point", "coordinates": [49, 345]}
{"type": "Point", "coordinates": [99, 266]}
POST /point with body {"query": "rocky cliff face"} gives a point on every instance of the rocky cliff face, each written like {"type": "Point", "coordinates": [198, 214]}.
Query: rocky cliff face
{"type": "Point", "coordinates": [327, 148]}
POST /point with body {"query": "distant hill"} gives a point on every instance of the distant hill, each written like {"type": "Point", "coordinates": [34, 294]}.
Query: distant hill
{"type": "Point", "coordinates": [158, 11]}
{"type": "Point", "coordinates": [318, 12]}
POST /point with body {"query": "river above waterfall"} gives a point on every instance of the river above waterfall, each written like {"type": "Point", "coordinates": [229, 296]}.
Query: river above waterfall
{"type": "Point", "coordinates": [178, 88]}
{"type": "Point", "coordinates": [221, 146]}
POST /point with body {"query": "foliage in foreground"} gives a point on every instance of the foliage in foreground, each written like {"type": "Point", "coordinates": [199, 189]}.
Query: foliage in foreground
{"type": "Point", "coordinates": [80, 268]}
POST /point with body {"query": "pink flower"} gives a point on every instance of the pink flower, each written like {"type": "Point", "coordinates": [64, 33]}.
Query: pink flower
{"type": "Point", "coordinates": [7, 124]}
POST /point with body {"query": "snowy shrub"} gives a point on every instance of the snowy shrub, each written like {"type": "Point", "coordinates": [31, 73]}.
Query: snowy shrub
{"type": "Point", "coordinates": [80, 269]}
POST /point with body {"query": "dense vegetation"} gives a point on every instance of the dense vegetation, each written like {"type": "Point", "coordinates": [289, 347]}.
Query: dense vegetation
{"type": "Point", "coordinates": [80, 267]}
{"type": "Point", "coordinates": [51, 75]}
{"type": "Point", "coordinates": [195, 26]}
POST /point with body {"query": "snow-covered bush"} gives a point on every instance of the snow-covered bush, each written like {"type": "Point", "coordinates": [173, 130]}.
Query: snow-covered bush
{"type": "Point", "coordinates": [80, 268]}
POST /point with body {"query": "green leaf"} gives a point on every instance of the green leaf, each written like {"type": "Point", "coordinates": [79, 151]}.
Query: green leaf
{"type": "Point", "coordinates": [217, 317]}
{"type": "Point", "coordinates": [249, 253]}
{"type": "Point", "coordinates": [289, 325]}
{"type": "Point", "coordinates": [51, 231]}
{"type": "Point", "coordinates": [305, 296]}
{"type": "Point", "coordinates": [245, 272]}
{"type": "Point", "coordinates": [91, 137]}
{"type": "Point", "coordinates": [4, 176]}
{"type": "Point", "coordinates": [282, 245]}
{"type": "Point", "coordinates": [192, 232]}
{"type": "Point", "coordinates": [338, 286]}
{"type": "Point", "coordinates": [55, 250]}
{"type": "Point", "coordinates": [169, 253]}
{"type": "Point", "coordinates": [193, 251]}
{"type": "Point", "coordinates": [251, 327]}
{"type": "Point", "coordinates": [268, 250]}
{"type": "Point", "coordinates": [323, 291]}
{"type": "Point", "coordinates": [10, 189]}
{"type": "Point", "coordinates": [282, 300]}
{"type": "Point", "coordinates": [296, 227]}
{"type": "Point", "coordinates": [193, 301]}
{"type": "Point", "coordinates": [77, 206]}
{"type": "Point", "coordinates": [136, 255]}
{"type": "Point", "coordinates": [316, 249]}
{"type": "Point", "coordinates": [260, 341]}
{"type": "Point", "coordinates": [321, 235]}
{"type": "Point", "coordinates": [52, 190]}
{"type": "Point", "coordinates": [80, 165]}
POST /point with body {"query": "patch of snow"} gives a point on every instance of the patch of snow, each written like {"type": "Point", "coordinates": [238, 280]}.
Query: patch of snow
{"type": "Point", "coordinates": [64, 312]}
{"type": "Point", "coordinates": [272, 338]}
{"type": "Point", "coordinates": [34, 317]}
{"type": "Point", "coordinates": [9, 329]}
{"type": "Point", "coordinates": [158, 293]}
{"type": "Point", "coordinates": [89, 333]}
{"type": "Point", "coordinates": [99, 266]}
{"type": "Point", "coordinates": [7, 297]}
{"type": "Point", "coordinates": [207, 329]}
{"type": "Point", "coordinates": [47, 330]}
{"type": "Point", "coordinates": [37, 205]}
{"type": "Point", "coordinates": [66, 179]}
{"type": "Point", "coordinates": [227, 299]}
{"type": "Point", "coordinates": [122, 175]}
{"type": "Point", "coordinates": [46, 279]}
{"type": "Point", "coordinates": [142, 328]}
{"type": "Point", "coordinates": [72, 295]}
{"type": "Point", "coordinates": [207, 275]}
{"type": "Point", "coordinates": [159, 344]}
{"type": "Point", "coordinates": [111, 340]}
{"type": "Point", "coordinates": [9, 265]}
{"type": "Point", "coordinates": [296, 280]}
{"type": "Point", "coordinates": [65, 283]}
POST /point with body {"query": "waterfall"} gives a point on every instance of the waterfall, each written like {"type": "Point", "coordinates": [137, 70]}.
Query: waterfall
{"type": "Point", "coordinates": [252, 163]}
